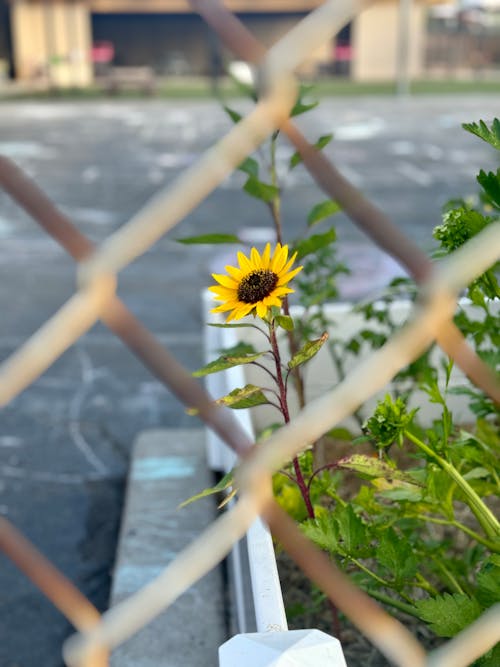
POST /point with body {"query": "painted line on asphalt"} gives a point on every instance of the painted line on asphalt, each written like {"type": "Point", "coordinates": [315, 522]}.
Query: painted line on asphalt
{"type": "Point", "coordinates": [415, 174]}
{"type": "Point", "coordinates": [161, 467]}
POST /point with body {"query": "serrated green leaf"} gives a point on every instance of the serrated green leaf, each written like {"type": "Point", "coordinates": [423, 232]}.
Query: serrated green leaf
{"type": "Point", "coordinates": [314, 242]}
{"type": "Point", "coordinates": [260, 190]}
{"type": "Point", "coordinates": [352, 531]}
{"type": "Point", "coordinates": [488, 582]}
{"type": "Point", "coordinates": [448, 614]}
{"type": "Point", "coordinates": [225, 483]}
{"type": "Point", "coordinates": [226, 361]}
{"type": "Point", "coordinates": [490, 182]}
{"type": "Point", "coordinates": [323, 531]}
{"type": "Point", "coordinates": [233, 115]}
{"type": "Point", "coordinates": [308, 351]}
{"type": "Point", "coordinates": [250, 166]}
{"type": "Point", "coordinates": [245, 397]}
{"type": "Point", "coordinates": [321, 211]}
{"type": "Point", "coordinates": [323, 141]}
{"type": "Point", "coordinates": [285, 322]}
{"type": "Point", "coordinates": [491, 136]}
{"type": "Point", "coordinates": [210, 238]}
{"type": "Point", "coordinates": [396, 556]}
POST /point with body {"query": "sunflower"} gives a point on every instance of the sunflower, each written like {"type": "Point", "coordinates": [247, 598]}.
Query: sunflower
{"type": "Point", "coordinates": [257, 284]}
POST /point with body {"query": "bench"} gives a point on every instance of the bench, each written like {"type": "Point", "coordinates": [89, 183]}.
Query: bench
{"type": "Point", "coordinates": [127, 78]}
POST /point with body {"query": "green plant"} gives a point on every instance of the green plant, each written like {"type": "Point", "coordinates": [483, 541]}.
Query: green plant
{"type": "Point", "coordinates": [412, 518]}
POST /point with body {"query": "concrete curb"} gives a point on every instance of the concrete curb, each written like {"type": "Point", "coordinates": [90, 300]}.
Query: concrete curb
{"type": "Point", "coordinates": [168, 466]}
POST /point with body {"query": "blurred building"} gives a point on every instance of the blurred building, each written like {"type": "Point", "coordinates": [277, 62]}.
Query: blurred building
{"type": "Point", "coordinates": [68, 42]}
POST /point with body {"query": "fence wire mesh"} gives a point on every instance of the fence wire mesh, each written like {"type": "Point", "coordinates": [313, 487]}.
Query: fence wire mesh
{"type": "Point", "coordinates": [96, 300]}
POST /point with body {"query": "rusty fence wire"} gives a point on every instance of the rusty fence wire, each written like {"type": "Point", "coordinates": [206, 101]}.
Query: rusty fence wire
{"type": "Point", "coordinates": [96, 299]}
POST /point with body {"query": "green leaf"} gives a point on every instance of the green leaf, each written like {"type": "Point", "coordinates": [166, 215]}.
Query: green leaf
{"type": "Point", "coordinates": [374, 468]}
{"type": "Point", "coordinates": [389, 421]}
{"type": "Point", "coordinates": [226, 361]}
{"type": "Point", "coordinates": [488, 582]}
{"type": "Point", "coordinates": [302, 107]}
{"type": "Point", "coordinates": [396, 556]}
{"type": "Point", "coordinates": [490, 182]}
{"type": "Point", "coordinates": [448, 614]}
{"type": "Point", "coordinates": [233, 115]}
{"type": "Point", "coordinates": [352, 530]}
{"type": "Point", "coordinates": [225, 483]}
{"type": "Point", "coordinates": [210, 238]}
{"type": "Point", "coordinates": [250, 167]}
{"type": "Point", "coordinates": [323, 141]}
{"type": "Point", "coordinates": [308, 351]}
{"type": "Point", "coordinates": [314, 242]}
{"type": "Point", "coordinates": [246, 397]}
{"type": "Point", "coordinates": [321, 211]}
{"type": "Point", "coordinates": [260, 190]}
{"type": "Point", "coordinates": [491, 136]}
{"type": "Point", "coordinates": [285, 322]}
{"type": "Point", "coordinates": [324, 532]}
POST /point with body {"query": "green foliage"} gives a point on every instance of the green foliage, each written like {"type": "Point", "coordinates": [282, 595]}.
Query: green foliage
{"type": "Point", "coordinates": [260, 190]}
{"type": "Point", "coordinates": [210, 239]}
{"type": "Point", "coordinates": [449, 613]}
{"type": "Point", "coordinates": [302, 105]}
{"type": "Point", "coordinates": [307, 352]}
{"type": "Point", "coordinates": [233, 115]}
{"type": "Point", "coordinates": [285, 322]}
{"type": "Point", "coordinates": [412, 525]}
{"type": "Point", "coordinates": [323, 210]}
{"type": "Point", "coordinates": [248, 396]}
{"type": "Point", "coordinates": [243, 354]}
{"type": "Point", "coordinates": [223, 485]}
{"type": "Point", "coordinates": [388, 423]}
{"type": "Point", "coordinates": [314, 243]}
{"type": "Point", "coordinates": [323, 141]}
{"type": "Point", "coordinates": [490, 182]}
{"type": "Point", "coordinates": [489, 134]}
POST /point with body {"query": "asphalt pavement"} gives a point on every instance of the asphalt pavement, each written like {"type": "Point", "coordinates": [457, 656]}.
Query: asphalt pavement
{"type": "Point", "coordinates": [65, 441]}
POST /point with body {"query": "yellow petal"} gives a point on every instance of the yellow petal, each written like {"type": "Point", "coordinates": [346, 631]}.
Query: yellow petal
{"type": "Point", "coordinates": [280, 260]}
{"type": "Point", "coordinates": [266, 256]}
{"type": "Point", "coordinates": [280, 291]}
{"type": "Point", "coordinates": [223, 293]}
{"type": "Point", "coordinates": [261, 309]}
{"type": "Point", "coordinates": [244, 262]}
{"type": "Point", "coordinates": [222, 308]}
{"type": "Point", "coordinates": [255, 258]}
{"type": "Point", "coordinates": [288, 276]}
{"type": "Point", "coordinates": [225, 280]}
{"type": "Point", "coordinates": [272, 301]}
{"type": "Point", "coordinates": [289, 263]}
{"type": "Point", "coordinates": [235, 273]}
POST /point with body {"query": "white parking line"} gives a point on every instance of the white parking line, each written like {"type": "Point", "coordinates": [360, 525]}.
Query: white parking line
{"type": "Point", "coordinates": [415, 174]}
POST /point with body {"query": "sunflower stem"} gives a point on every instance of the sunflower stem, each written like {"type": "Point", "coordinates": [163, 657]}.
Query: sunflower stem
{"type": "Point", "coordinates": [299, 476]}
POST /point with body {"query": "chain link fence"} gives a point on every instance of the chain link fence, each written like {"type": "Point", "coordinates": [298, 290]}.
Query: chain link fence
{"type": "Point", "coordinates": [96, 300]}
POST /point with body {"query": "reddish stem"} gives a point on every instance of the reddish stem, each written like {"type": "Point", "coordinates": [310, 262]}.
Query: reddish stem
{"type": "Point", "coordinates": [301, 482]}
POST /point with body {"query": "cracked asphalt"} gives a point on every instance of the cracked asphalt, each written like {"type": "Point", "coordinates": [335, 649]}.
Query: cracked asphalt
{"type": "Point", "coordinates": [65, 441]}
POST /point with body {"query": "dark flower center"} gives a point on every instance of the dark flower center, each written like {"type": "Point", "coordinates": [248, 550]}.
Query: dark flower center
{"type": "Point", "coordinates": [256, 286]}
